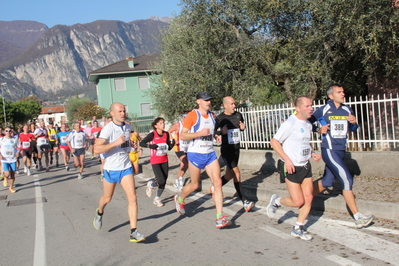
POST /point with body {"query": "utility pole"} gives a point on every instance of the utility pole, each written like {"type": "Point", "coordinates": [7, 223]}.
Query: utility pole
{"type": "Point", "coordinates": [4, 107]}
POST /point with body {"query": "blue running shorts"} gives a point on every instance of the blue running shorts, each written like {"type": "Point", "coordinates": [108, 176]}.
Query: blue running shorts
{"type": "Point", "coordinates": [200, 160]}
{"type": "Point", "coordinates": [9, 166]}
{"type": "Point", "coordinates": [116, 176]}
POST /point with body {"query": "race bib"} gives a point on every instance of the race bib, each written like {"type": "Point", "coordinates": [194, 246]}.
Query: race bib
{"type": "Point", "coordinates": [63, 139]}
{"type": "Point", "coordinates": [184, 145]}
{"type": "Point", "coordinates": [41, 141]}
{"type": "Point", "coordinates": [162, 149]}
{"type": "Point", "coordinates": [338, 126]}
{"type": "Point", "coordinates": [52, 137]}
{"type": "Point", "coordinates": [233, 136]}
{"type": "Point", "coordinates": [305, 153]}
{"type": "Point", "coordinates": [25, 144]}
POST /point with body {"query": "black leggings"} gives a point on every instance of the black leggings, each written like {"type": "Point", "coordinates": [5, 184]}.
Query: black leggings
{"type": "Point", "coordinates": [161, 174]}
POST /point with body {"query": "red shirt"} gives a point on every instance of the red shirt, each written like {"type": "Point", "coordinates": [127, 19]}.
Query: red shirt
{"type": "Point", "coordinates": [95, 131]}
{"type": "Point", "coordinates": [25, 140]}
{"type": "Point", "coordinates": [159, 155]}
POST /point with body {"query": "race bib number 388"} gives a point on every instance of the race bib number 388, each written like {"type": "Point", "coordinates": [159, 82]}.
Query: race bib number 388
{"type": "Point", "coordinates": [338, 126]}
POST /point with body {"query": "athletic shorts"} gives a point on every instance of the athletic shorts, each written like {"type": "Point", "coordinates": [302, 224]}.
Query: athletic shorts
{"type": "Point", "coordinates": [230, 157]}
{"type": "Point", "coordinates": [116, 176]}
{"type": "Point", "coordinates": [64, 147]}
{"type": "Point", "coordinates": [134, 157]}
{"type": "Point", "coordinates": [43, 148]}
{"type": "Point", "coordinates": [27, 153]}
{"type": "Point", "coordinates": [179, 154]}
{"type": "Point", "coordinates": [53, 144]}
{"type": "Point", "coordinates": [79, 152]}
{"type": "Point", "coordinates": [102, 156]}
{"type": "Point", "coordinates": [301, 172]}
{"type": "Point", "coordinates": [200, 160]}
{"type": "Point", "coordinates": [90, 141]}
{"type": "Point", "coordinates": [9, 166]}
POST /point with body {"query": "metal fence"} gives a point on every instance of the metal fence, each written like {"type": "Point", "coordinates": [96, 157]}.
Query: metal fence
{"type": "Point", "coordinates": [142, 124]}
{"type": "Point", "coordinates": [377, 118]}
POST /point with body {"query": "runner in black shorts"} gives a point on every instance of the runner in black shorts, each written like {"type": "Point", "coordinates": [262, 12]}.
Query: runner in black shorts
{"type": "Point", "coordinates": [231, 123]}
{"type": "Point", "coordinates": [291, 143]}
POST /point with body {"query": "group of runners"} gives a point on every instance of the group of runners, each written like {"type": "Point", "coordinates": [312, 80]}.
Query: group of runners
{"type": "Point", "coordinates": [193, 138]}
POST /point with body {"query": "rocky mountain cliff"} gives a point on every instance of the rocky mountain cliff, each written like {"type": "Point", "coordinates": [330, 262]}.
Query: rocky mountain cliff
{"type": "Point", "coordinates": [61, 58]}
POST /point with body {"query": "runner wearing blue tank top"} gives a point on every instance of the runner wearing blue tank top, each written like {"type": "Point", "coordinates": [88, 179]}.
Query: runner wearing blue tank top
{"type": "Point", "coordinates": [338, 119]}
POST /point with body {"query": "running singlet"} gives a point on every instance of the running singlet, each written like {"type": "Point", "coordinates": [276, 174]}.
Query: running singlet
{"type": "Point", "coordinates": [77, 139]}
{"type": "Point", "coordinates": [7, 149]}
{"type": "Point", "coordinates": [117, 158]}
{"type": "Point", "coordinates": [63, 137]}
{"type": "Point", "coordinates": [159, 155]}
{"type": "Point", "coordinates": [133, 138]}
{"type": "Point", "coordinates": [42, 136]}
{"type": "Point", "coordinates": [197, 122]}
{"type": "Point", "coordinates": [183, 144]}
{"type": "Point", "coordinates": [52, 135]}
{"type": "Point", "coordinates": [295, 135]}
{"type": "Point", "coordinates": [25, 140]}
{"type": "Point", "coordinates": [89, 132]}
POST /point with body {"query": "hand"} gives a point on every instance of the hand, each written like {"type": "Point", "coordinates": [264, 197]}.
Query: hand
{"type": "Point", "coordinates": [242, 125]}
{"type": "Point", "coordinates": [352, 119]}
{"type": "Point", "coordinates": [153, 146]}
{"type": "Point", "coordinates": [224, 130]}
{"type": "Point", "coordinates": [120, 140]}
{"type": "Point", "coordinates": [324, 129]}
{"type": "Point", "coordinates": [218, 138]}
{"type": "Point", "coordinates": [134, 144]}
{"type": "Point", "coordinates": [172, 142]}
{"type": "Point", "coordinates": [205, 132]}
{"type": "Point", "coordinates": [316, 157]}
{"type": "Point", "coordinates": [289, 167]}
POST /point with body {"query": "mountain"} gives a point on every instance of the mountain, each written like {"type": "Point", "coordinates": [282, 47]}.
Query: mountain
{"type": "Point", "coordinates": [61, 58]}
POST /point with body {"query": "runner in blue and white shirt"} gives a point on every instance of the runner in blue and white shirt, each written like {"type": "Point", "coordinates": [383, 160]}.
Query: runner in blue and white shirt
{"type": "Point", "coordinates": [114, 142]}
{"type": "Point", "coordinates": [9, 151]}
{"type": "Point", "coordinates": [337, 119]}
{"type": "Point", "coordinates": [77, 144]}
{"type": "Point", "coordinates": [62, 138]}
{"type": "Point", "coordinates": [43, 145]}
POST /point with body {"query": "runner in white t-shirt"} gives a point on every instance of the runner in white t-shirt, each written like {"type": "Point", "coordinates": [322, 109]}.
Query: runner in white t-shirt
{"type": "Point", "coordinates": [9, 152]}
{"type": "Point", "coordinates": [43, 145]}
{"type": "Point", "coordinates": [114, 142]}
{"type": "Point", "coordinates": [291, 143]}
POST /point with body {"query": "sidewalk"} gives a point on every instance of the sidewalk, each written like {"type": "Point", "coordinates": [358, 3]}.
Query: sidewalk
{"type": "Point", "coordinates": [379, 196]}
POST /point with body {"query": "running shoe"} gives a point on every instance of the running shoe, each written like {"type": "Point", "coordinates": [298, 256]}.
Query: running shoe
{"type": "Point", "coordinates": [272, 207]}
{"type": "Point", "coordinates": [47, 169]}
{"type": "Point", "coordinates": [212, 191]}
{"type": "Point", "coordinates": [36, 166]}
{"type": "Point", "coordinates": [301, 233]}
{"type": "Point", "coordinates": [97, 222]}
{"type": "Point", "coordinates": [136, 237]}
{"type": "Point", "coordinates": [25, 170]}
{"type": "Point", "coordinates": [12, 190]}
{"type": "Point", "coordinates": [248, 205]}
{"type": "Point", "coordinates": [222, 222]}
{"type": "Point", "coordinates": [179, 206]}
{"type": "Point", "coordinates": [5, 182]}
{"type": "Point", "coordinates": [364, 220]}
{"type": "Point", "coordinates": [67, 168]}
{"type": "Point", "coordinates": [28, 172]}
{"type": "Point", "coordinates": [157, 202]}
{"type": "Point", "coordinates": [80, 176]}
{"type": "Point", "coordinates": [40, 168]}
{"type": "Point", "coordinates": [57, 164]}
{"type": "Point", "coordinates": [149, 188]}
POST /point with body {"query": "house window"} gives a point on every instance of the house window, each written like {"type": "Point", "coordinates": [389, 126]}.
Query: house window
{"type": "Point", "coordinates": [120, 84]}
{"type": "Point", "coordinates": [145, 109]}
{"type": "Point", "coordinates": [144, 83]}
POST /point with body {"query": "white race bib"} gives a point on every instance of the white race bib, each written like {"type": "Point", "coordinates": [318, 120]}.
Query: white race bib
{"type": "Point", "coordinates": [25, 144]}
{"type": "Point", "coordinates": [338, 128]}
{"type": "Point", "coordinates": [233, 136]}
{"type": "Point", "coordinates": [162, 149]}
{"type": "Point", "coordinates": [41, 141]}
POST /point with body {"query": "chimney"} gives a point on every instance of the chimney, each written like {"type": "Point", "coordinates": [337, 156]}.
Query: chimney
{"type": "Point", "coordinates": [130, 62]}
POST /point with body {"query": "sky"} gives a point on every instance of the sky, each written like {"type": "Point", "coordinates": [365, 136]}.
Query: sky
{"type": "Point", "coordinates": [70, 12]}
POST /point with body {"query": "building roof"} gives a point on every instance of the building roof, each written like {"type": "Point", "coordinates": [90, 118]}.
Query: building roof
{"type": "Point", "coordinates": [52, 110]}
{"type": "Point", "coordinates": [141, 63]}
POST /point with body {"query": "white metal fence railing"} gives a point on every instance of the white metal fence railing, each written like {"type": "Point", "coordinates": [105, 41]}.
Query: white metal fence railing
{"type": "Point", "coordinates": [377, 118]}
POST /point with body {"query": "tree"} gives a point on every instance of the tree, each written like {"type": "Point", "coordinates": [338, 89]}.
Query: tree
{"type": "Point", "coordinates": [74, 103]}
{"type": "Point", "coordinates": [89, 110]}
{"type": "Point", "coordinates": [269, 51]}
{"type": "Point", "coordinates": [25, 110]}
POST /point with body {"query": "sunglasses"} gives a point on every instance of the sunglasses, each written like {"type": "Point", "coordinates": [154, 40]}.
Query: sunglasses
{"type": "Point", "coordinates": [7, 130]}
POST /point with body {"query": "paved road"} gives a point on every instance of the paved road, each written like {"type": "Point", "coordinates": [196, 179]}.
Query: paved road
{"type": "Point", "coordinates": [49, 222]}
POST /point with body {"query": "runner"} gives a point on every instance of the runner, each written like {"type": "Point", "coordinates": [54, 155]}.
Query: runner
{"type": "Point", "coordinates": [52, 137]}
{"type": "Point", "coordinates": [90, 138]}
{"type": "Point", "coordinates": [77, 144]}
{"type": "Point", "coordinates": [338, 119]}
{"type": "Point", "coordinates": [231, 124]}
{"type": "Point", "coordinates": [9, 152]}
{"type": "Point", "coordinates": [180, 149]}
{"type": "Point", "coordinates": [114, 142]}
{"type": "Point", "coordinates": [15, 136]}
{"type": "Point", "coordinates": [62, 138]}
{"type": "Point", "coordinates": [43, 145]}
{"type": "Point", "coordinates": [159, 144]}
{"type": "Point", "coordinates": [134, 155]}
{"type": "Point", "coordinates": [32, 128]}
{"type": "Point", "coordinates": [201, 154]}
{"type": "Point", "coordinates": [295, 151]}
{"type": "Point", "coordinates": [26, 139]}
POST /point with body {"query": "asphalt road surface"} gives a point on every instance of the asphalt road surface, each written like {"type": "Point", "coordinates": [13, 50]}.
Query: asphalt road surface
{"type": "Point", "coordinates": [49, 222]}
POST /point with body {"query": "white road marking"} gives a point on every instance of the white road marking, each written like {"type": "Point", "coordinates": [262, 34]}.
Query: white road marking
{"type": "Point", "coordinates": [342, 261]}
{"type": "Point", "coordinates": [39, 256]}
{"type": "Point", "coordinates": [275, 232]}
